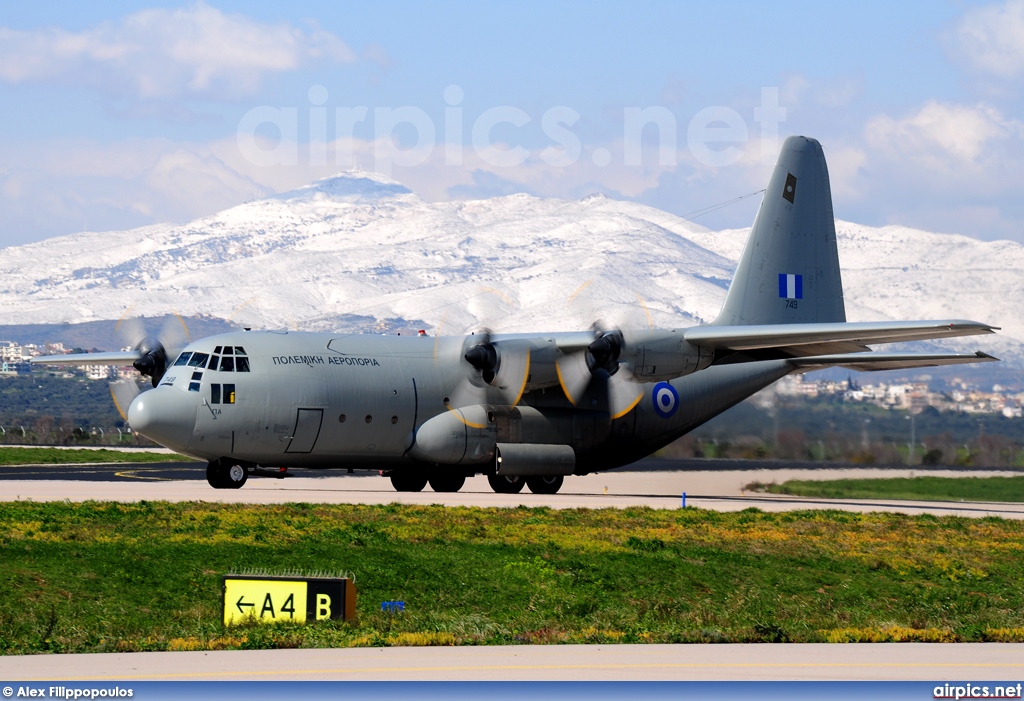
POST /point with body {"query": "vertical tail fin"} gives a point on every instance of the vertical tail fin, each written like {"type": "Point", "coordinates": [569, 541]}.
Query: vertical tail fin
{"type": "Point", "coordinates": [789, 270]}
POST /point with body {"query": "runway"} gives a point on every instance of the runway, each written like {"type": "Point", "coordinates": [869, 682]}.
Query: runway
{"type": "Point", "coordinates": [796, 661]}
{"type": "Point", "coordinates": [719, 489]}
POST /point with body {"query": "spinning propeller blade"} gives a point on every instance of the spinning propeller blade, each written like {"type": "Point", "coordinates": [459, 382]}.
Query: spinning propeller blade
{"type": "Point", "coordinates": [154, 354]}
{"type": "Point", "coordinates": [124, 393]}
{"type": "Point", "coordinates": [592, 376]}
{"type": "Point", "coordinates": [496, 372]}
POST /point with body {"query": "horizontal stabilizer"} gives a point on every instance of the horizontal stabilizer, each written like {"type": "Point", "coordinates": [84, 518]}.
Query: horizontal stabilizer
{"type": "Point", "coordinates": [739, 338]}
{"type": "Point", "coordinates": [868, 362]}
{"type": "Point", "coordinates": [113, 358]}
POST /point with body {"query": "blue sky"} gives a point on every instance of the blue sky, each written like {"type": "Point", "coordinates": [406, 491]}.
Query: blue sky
{"type": "Point", "coordinates": [122, 114]}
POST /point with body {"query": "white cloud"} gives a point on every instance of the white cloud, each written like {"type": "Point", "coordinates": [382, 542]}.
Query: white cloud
{"type": "Point", "coordinates": [197, 51]}
{"type": "Point", "coordinates": [943, 167]}
{"type": "Point", "coordinates": [839, 91]}
{"type": "Point", "coordinates": [991, 39]}
{"type": "Point", "coordinates": [945, 136]}
{"type": "Point", "coordinates": [48, 189]}
{"type": "Point", "coordinates": [797, 89]}
{"type": "Point", "coordinates": [845, 165]}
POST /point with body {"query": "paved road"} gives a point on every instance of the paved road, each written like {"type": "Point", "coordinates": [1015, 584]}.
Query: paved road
{"type": "Point", "coordinates": [723, 490]}
{"type": "Point", "coordinates": [109, 472]}
{"type": "Point", "coordinates": [113, 472]}
{"type": "Point", "coordinates": [147, 471]}
{"type": "Point", "coordinates": [905, 661]}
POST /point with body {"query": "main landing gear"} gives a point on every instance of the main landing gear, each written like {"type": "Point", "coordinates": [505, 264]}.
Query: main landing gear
{"type": "Point", "coordinates": [448, 482]}
{"type": "Point", "coordinates": [506, 485]}
{"type": "Point", "coordinates": [226, 475]}
{"type": "Point", "coordinates": [443, 482]}
{"type": "Point", "coordinates": [545, 484]}
{"type": "Point", "coordinates": [404, 482]}
{"type": "Point", "coordinates": [542, 484]}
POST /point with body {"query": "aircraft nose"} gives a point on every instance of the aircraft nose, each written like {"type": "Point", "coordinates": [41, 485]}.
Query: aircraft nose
{"type": "Point", "coordinates": [165, 415]}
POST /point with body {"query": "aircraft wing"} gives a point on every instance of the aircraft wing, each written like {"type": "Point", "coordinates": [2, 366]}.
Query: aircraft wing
{"type": "Point", "coordinates": [852, 335]}
{"type": "Point", "coordinates": [112, 358]}
{"type": "Point", "coordinates": [867, 362]}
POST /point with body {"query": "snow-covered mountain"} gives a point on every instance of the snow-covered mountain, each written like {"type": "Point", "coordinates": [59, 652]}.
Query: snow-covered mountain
{"type": "Point", "coordinates": [360, 252]}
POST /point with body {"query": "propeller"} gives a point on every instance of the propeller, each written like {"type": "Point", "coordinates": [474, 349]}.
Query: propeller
{"type": "Point", "coordinates": [592, 376]}
{"type": "Point", "coordinates": [124, 392]}
{"type": "Point", "coordinates": [495, 371]}
{"type": "Point", "coordinates": [153, 354]}
{"type": "Point", "coordinates": [593, 372]}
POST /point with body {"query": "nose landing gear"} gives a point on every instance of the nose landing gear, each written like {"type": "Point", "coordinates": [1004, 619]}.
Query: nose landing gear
{"type": "Point", "coordinates": [223, 474]}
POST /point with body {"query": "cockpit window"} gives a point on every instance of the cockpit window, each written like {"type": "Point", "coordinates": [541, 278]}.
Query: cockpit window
{"type": "Point", "coordinates": [216, 350]}
{"type": "Point", "coordinates": [183, 358]}
{"type": "Point", "coordinates": [238, 362]}
{"type": "Point", "coordinates": [198, 360]}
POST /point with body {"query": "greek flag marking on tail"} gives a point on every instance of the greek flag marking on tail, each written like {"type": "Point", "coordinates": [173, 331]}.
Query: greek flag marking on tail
{"type": "Point", "coordinates": [791, 286]}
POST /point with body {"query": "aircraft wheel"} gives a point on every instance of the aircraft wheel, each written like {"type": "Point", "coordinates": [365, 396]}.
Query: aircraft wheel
{"type": "Point", "coordinates": [506, 484]}
{"type": "Point", "coordinates": [404, 482]}
{"type": "Point", "coordinates": [447, 483]}
{"type": "Point", "coordinates": [215, 475]}
{"type": "Point", "coordinates": [235, 476]}
{"type": "Point", "coordinates": [545, 484]}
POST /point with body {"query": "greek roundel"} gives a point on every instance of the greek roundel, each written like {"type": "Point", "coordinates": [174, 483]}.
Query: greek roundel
{"type": "Point", "coordinates": [666, 399]}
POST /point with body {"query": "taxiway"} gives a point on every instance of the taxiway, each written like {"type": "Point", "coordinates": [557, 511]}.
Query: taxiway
{"type": "Point", "coordinates": [719, 489]}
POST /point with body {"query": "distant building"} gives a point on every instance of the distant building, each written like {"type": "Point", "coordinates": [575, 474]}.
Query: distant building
{"type": "Point", "coordinates": [10, 352]}
{"type": "Point", "coordinates": [124, 373]}
{"type": "Point", "coordinates": [905, 396]}
{"type": "Point", "coordinates": [96, 372]}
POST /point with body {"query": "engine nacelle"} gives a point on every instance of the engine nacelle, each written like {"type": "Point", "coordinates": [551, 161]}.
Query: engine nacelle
{"type": "Point", "coordinates": [656, 355]}
{"type": "Point", "coordinates": [542, 352]}
{"type": "Point", "coordinates": [458, 436]}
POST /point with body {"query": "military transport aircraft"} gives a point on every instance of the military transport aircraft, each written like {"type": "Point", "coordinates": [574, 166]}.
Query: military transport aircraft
{"type": "Point", "coordinates": [523, 408]}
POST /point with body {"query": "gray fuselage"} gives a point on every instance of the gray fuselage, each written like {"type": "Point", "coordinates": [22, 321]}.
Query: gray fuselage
{"type": "Point", "coordinates": [357, 401]}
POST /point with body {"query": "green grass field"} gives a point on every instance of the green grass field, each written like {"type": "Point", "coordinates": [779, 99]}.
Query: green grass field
{"type": "Point", "coordinates": [57, 456]}
{"type": "Point", "coordinates": [914, 488]}
{"type": "Point", "coordinates": [98, 577]}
